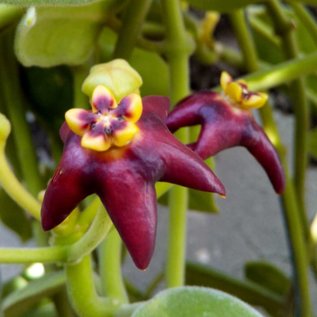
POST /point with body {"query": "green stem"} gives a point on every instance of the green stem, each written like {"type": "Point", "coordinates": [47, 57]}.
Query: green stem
{"type": "Point", "coordinates": [9, 14]}
{"type": "Point", "coordinates": [31, 255]}
{"type": "Point", "coordinates": [62, 253]}
{"type": "Point", "coordinates": [284, 27]}
{"type": "Point", "coordinates": [92, 238]}
{"type": "Point", "coordinates": [82, 292]}
{"type": "Point", "coordinates": [306, 18]}
{"type": "Point", "coordinates": [289, 203]}
{"type": "Point", "coordinates": [131, 27]}
{"type": "Point", "coordinates": [245, 42]}
{"type": "Point", "coordinates": [62, 305]}
{"type": "Point", "coordinates": [282, 73]}
{"type": "Point", "coordinates": [175, 270]}
{"type": "Point", "coordinates": [15, 189]}
{"type": "Point", "coordinates": [110, 267]}
{"type": "Point", "coordinates": [12, 94]}
{"type": "Point", "coordinates": [177, 53]}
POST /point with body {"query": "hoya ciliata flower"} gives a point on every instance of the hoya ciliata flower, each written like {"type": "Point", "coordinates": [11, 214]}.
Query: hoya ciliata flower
{"type": "Point", "coordinates": [227, 121]}
{"type": "Point", "coordinates": [119, 151]}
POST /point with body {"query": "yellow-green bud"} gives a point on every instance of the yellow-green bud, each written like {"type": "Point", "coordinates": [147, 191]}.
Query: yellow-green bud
{"type": "Point", "coordinates": [118, 76]}
{"type": "Point", "coordinates": [5, 127]}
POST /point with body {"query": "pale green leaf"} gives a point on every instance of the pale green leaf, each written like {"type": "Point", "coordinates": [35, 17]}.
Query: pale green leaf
{"type": "Point", "coordinates": [50, 36]}
{"type": "Point", "coordinates": [195, 301]}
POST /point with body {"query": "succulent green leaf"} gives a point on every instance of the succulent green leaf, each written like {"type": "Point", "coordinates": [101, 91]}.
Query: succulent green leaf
{"type": "Point", "coordinates": [195, 301]}
{"type": "Point", "coordinates": [49, 36]}
{"type": "Point", "coordinates": [252, 293]}
{"type": "Point", "coordinates": [268, 276]}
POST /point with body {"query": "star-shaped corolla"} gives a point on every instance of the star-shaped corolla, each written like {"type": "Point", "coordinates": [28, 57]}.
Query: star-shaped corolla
{"type": "Point", "coordinates": [226, 122]}
{"type": "Point", "coordinates": [124, 176]}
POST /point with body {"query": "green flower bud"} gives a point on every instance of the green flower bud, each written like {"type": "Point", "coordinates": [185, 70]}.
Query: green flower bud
{"type": "Point", "coordinates": [118, 76]}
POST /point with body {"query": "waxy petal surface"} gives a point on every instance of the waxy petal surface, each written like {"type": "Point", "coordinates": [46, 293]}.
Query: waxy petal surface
{"type": "Point", "coordinates": [124, 178]}
{"type": "Point", "coordinates": [224, 126]}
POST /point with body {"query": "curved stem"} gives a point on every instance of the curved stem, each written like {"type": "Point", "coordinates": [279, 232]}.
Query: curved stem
{"type": "Point", "coordinates": [15, 189]}
{"type": "Point", "coordinates": [131, 27]}
{"type": "Point", "coordinates": [82, 293]}
{"type": "Point", "coordinates": [92, 238]}
{"type": "Point", "coordinates": [289, 203]}
{"type": "Point", "coordinates": [62, 253]}
{"type": "Point", "coordinates": [110, 267]}
{"type": "Point", "coordinates": [282, 73]}
{"type": "Point", "coordinates": [177, 53]}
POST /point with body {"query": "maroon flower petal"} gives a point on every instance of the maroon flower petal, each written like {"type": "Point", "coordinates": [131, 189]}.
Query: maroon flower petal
{"type": "Point", "coordinates": [224, 126]}
{"type": "Point", "coordinates": [131, 203]}
{"type": "Point", "coordinates": [156, 105]}
{"type": "Point", "coordinates": [68, 186]}
{"type": "Point", "coordinates": [257, 143]}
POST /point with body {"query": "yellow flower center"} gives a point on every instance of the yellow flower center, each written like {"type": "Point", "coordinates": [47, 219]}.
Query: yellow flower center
{"type": "Point", "coordinates": [239, 95]}
{"type": "Point", "coordinates": [108, 124]}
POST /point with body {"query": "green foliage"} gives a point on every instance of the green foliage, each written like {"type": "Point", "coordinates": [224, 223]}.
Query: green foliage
{"type": "Point", "coordinates": [22, 300]}
{"type": "Point", "coordinates": [252, 293]}
{"type": "Point", "coordinates": [58, 35]}
{"type": "Point", "coordinates": [49, 89]}
{"type": "Point", "coordinates": [268, 276]}
{"type": "Point", "coordinates": [194, 301]}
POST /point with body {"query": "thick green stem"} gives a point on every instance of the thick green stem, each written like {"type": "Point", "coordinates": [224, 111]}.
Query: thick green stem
{"type": "Point", "coordinates": [282, 73]}
{"type": "Point", "coordinates": [131, 27]}
{"type": "Point", "coordinates": [12, 94]}
{"type": "Point", "coordinates": [245, 41]}
{"type": "Point", "coordinates": [110, 267]}
{"type": "Point", "coordinates": [177, 53]}
{"type": "Point", "coordinates": [27, 255]}
{"type": "Point", "coordinates": [283, 26]}
{"type": "Point", "coordinates": [15, 189]}
{"type": "Point", "coordinates": [82, 292]}
{"type": "Point", "coordinates": [289, 203]}
{"type": "Point", "coordinates": [92, 238]}
{"type": "Point", "coordinates": [175, 270]}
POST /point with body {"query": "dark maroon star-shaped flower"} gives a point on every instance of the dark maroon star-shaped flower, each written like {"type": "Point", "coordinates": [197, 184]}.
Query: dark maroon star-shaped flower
{"type": "Point", "coordinates": [124, 178]}
{"type": "Point", "coordinates": [227, 122]}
